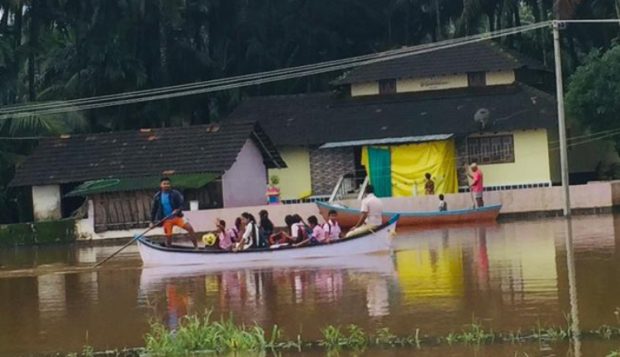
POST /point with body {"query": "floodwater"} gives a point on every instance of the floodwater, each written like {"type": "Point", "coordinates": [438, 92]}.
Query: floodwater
{"type": "Point", "coordinates": [508, 277]}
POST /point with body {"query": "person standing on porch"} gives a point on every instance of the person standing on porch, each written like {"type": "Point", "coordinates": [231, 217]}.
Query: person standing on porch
{"type": "Point", "coordinates": [477, 184]}
{"type": "Point", "coordinates": [429, 184]}
{"type": "Point", "coordinates": [372, 211]}
{"type": "Point", "coordinates": [168, 203]}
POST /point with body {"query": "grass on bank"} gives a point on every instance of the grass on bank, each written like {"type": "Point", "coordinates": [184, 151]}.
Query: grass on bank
{"type": "Point", "coordinates": [202, 335]}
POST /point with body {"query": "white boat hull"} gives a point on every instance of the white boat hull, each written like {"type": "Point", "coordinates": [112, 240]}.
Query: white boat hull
{"type": "Point", "coordinates": [154, 255]}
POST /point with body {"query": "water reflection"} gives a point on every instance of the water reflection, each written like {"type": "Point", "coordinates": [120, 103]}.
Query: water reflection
{"type": "Point", "coordinates": [510, 276]}
{"type": "Point", "coordinates": [257, 294]}
{"type": "Point", "coordinates": [572, 289]}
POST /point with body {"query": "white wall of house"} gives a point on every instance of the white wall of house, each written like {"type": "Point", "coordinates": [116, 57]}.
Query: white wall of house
{"type": "Point", "coordinates": [431, 83]}
{"type": "Point", "coordinates": [441, 82]}
{"type": "Point", "coordinates": [46, 202]}
{"type": "Point", "coordinates": [245, 183]}
{"type": "Point", "coordinates": [368, 88]}
{"type": "Point", "coordinates": [500, 78]}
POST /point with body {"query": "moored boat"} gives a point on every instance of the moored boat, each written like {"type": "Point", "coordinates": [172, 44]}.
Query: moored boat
{"type": "Point", "coordinates": [348, 217]}
{"type": "Point", "coordinates": [378, 240]}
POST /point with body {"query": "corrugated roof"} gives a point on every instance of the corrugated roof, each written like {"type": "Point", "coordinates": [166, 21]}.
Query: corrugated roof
{"type": "Point", "coordinates": [474, 57]}
{"type": "Point", "coordinates": [191, 181]}
{"type": "Point", "coordinates": [195, 149]}
{"type": "Point", "coordinates": [316, 119]}
{"type": "Point", "coordinates": [387, 141]}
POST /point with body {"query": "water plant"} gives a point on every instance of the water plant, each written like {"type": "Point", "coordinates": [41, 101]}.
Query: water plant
{"type": "Point", "coordinates": [334, 338]}
{"type": "Point", "coordinates": [384, 337]}
{"type": "Point", "coordinates": [200, 334]}
{"type": "Point", "coordinates": [204, 335]}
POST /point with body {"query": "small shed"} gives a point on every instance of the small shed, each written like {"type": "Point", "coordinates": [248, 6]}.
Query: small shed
{"type": "Point", "coordinates": [214, 165]}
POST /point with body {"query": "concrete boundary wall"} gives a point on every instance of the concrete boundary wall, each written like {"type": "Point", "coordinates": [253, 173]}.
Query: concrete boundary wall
{"type": "Point", "coordinates": [594, 197]}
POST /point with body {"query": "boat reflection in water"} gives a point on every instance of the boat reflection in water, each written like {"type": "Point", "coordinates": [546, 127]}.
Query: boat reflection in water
{"type": "Point", "coordinates": [257, 292]}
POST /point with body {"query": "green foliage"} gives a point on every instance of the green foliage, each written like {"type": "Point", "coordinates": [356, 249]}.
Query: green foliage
{"type": "Point", "coordinates": [61, 231]}
{"type": "Point", "coordinates": [200, 334]}
{"type": "Point", "coordinates": [593, 90]}
{"type": "Point", "coordinates": [53, 51]}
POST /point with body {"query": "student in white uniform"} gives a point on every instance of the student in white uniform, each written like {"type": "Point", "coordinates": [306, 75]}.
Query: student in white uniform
{"type": "Point", "coordinates": [372, 211]}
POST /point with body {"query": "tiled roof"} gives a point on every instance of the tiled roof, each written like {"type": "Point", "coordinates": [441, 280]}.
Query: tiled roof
{"type": "Point", "coordinates": [150, 152]}
{"type": "Point", "coordinates": [474, 57]}
{"type": "Point", "coordinates": [315, 119]}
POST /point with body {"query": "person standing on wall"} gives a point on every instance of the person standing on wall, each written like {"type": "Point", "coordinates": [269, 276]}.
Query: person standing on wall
{"type": "Point", "coordinates": [477, 184]}
{"type": "Point", "coordinates": [168, 203]}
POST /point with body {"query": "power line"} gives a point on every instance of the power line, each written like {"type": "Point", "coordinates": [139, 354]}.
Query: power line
{"type": "Point", "coordinates": [27, 110]}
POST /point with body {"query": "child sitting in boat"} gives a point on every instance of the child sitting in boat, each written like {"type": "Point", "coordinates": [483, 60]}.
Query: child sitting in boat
{"type": "Point", "coordinates": [250, 232]}
{"type": "Point", "coordinates": [224, 236]}
{"type": "Point", "coordinates": [265, 228]}
{"type": "Point", "coordinates": [443, 205]}
{"type": "Point", "coordinates": [331, 227]}
{"type": "Point", "coordinates": [283, 237]}
{"type": "Point", "coordinates": [235, 232]}
{"type": "Point", "coordinates": [299, 231]}
{"type": "Point", "coordinates": [316, 234]}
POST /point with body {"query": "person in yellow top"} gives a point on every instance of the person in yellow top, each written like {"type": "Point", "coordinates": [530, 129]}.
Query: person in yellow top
{"type": "Point", "coordinates": [429, 184]}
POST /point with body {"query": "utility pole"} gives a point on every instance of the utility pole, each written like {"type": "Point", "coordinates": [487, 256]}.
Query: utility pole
{"type": "Point", "coordinates": [561, 119]}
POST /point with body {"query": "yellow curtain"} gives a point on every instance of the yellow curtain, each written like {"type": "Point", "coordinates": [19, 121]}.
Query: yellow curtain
{"type": "Point", "coordinates": [410, 163]}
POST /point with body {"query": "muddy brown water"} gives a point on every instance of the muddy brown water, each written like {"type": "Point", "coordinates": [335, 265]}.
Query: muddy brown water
{"type": "Point", "coordinates": [508, 277]}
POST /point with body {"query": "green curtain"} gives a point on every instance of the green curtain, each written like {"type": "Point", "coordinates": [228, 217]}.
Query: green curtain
{"type": "Point", "coordinates": [380, 171]}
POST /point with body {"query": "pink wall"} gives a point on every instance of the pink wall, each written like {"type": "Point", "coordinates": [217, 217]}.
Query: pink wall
{"type": "Point", "coordinates": [245, 183]}
{"type": "Point", "coordinates": [593, 195]}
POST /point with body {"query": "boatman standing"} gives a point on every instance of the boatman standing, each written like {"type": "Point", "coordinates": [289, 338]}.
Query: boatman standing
{"type": "Point", "coordinates": [168, 203]}
{"type": "Point", "coordinates": [477, 184]}
{"type": "Point", "coordinates": [372, 211]}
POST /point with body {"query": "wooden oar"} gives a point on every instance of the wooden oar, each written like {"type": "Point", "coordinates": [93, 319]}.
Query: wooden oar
{"type": "Point", "coordinates": [133, 240]}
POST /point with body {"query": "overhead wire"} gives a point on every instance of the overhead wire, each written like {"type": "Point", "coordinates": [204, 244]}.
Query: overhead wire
{"type": "Point", "coordinates": [27, 110]}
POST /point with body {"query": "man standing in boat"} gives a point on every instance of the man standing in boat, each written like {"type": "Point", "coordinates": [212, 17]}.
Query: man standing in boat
{"type": "Point", "coordinates": [372, 211]}
{"type": "Point", "coordinates": [477, 184]}
{"type": "Point", "coordinates": [168, 203]}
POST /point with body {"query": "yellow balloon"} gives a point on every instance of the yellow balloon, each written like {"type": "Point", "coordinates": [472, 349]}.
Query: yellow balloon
{"type": "Point", "coordinates": [209, 239]}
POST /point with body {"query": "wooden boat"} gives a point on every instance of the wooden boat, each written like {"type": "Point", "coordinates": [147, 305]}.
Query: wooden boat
{"type": "Point", "coordinates": [153, 254]}
{"type": "Point", "coordinates": [348, 217]}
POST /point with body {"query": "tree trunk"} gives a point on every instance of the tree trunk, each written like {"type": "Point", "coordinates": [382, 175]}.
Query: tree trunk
{"type": "Point", "coordinates": [33, 45]}
{"type": "Point", "coordinates": [572, 51]}
{"type": "Point", "coordinates": [163, 45]}
{"type": "Point", "coordinates": [163, 61]}
{"type": "Point", "coordinates": [617, 3]}
{"type": "Point", "coordinates": [17, 42]}
{"type": "Point", "coordinates": [517, 23]}
{"type": "Point", "coordinates": [543, 37]}
{"type": "Point", "coordinates": [438, 22]}
{"type": "Point", "coordinates": [4, 19]}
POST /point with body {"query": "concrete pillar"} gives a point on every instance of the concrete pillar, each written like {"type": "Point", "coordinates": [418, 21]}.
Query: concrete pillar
{"type": "Point", "coordinates": [46, 202]}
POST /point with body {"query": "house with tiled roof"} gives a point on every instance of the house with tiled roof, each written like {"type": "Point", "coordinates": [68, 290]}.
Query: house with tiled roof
{"type": "Point", "coordinates": [214, 165]}
{"type": "Point", "coordinates": [393, 121]}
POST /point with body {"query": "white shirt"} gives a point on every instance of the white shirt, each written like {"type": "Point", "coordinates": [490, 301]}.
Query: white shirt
{"type": "Point", "coordinates": [248, 239]}
{"type": "Point", "coordinates": [374, 207]}
{"type": "Point", "coordinates": [332, 230]}
{"type": "Point", "coordinates": [295, 229]}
